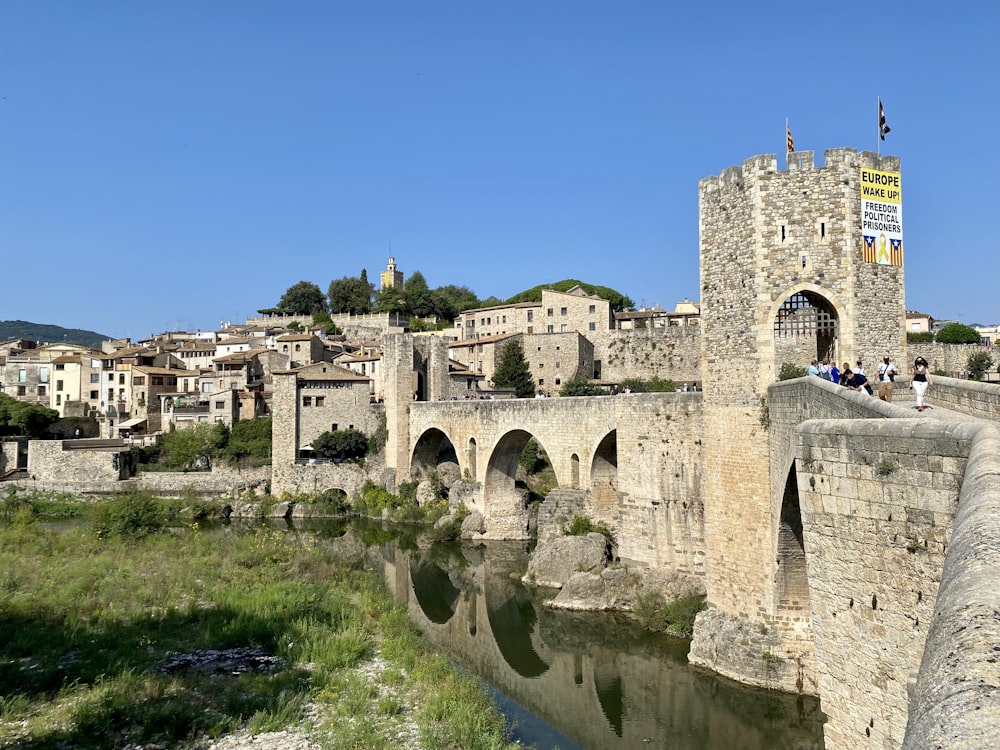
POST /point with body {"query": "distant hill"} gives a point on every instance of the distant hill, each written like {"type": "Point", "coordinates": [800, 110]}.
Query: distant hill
{"type": "Point", "coordinates": [49, 334]}
{"type": "Point", "coordinates": [618, 300]}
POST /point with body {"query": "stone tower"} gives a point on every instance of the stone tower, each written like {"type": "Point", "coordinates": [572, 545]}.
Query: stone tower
{"type": "Point", "coordinates": [391, 276]}
{"type": "Point", "coordinates": [788, 274]}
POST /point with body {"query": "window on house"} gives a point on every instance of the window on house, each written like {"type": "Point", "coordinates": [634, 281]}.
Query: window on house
{"type": "Point", "coordinates": [504, 320]}
{"type": "Point", "coordinates": [60, 368]}
{"type": "Point", "coordinates": [592, 309]}
{"type": "Point", "coordinates": [43, 374]}
{"type": "Point", "coordinates": [549, 312]}
{"type": "Point", "coordinates": [21, 390]}
{"type": "Point", "coordinates": [558, 381]}
{"type": "Point", "coordinates": [59, 385]}
{"type": "Point", "coordinates": [298, 347]}
{"type": "Point", "coordinates": [563, 311]}
{"type": "Point", "coordinates": [220, 404]}
{"type": "Point", "coordinates": [550, 329]}
{"type": "Point", "coordinates": [333, 427]}
{"type": "Point", "coordinates": [563, 328]}
{"type": "Point", "coordinates": [307, 400]}
{"type": "Point", "coordinates": [541, 365]}
{"type": "Point", "coordinates": [157, 380]}
{"type": "Point", "coordinates": [41, 390]}
{"type": "Point", "coordinates": [593, 326]}
{"type": "Point", "coordinates": [541, 381]}
{"type": "Point", "coordinates": [22, 376]}
{"type": "Point", "coordinates": [58, 399]}
{"type": "Point", "coordinates": [531, 329]}
{"type": "Point", "coordinates": [111, 377]}
{"type": "Point", "coordinates": [557, 365]}
{"type": "Point", "coordinates": [350, 427]}
{"type": "Point", "coordinates": [531, 315]}
{"type": "Point", "coordinates": [320, 400]}
{"type": "Point", "coordinates": [94, 395]}
{"type": "Point", "coordinates": [139, 380]}
{"type": "Point", "coordinates": [95, 377]}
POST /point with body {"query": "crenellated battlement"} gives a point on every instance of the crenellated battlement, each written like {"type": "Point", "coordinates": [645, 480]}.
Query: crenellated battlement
{"type": "Point", "coordinates": [766, 166]}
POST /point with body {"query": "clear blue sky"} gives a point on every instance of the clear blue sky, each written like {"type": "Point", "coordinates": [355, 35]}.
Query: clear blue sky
{"type": "Point", "coordinates": [173, 164]}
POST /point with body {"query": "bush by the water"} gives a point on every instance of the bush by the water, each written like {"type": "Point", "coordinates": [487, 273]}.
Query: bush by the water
{"type": "Point", "coordinates": [582, 525]}
{"type": "Point", "coordinates": [129, 515]}
{"type": "Point", "coordinates": [676, 617]}
{"type": "Point", "coordinates": [789, 371]}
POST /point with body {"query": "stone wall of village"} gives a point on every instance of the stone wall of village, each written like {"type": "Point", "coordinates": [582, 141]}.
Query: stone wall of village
{"type": "Point", "coordinates": [670, 353]}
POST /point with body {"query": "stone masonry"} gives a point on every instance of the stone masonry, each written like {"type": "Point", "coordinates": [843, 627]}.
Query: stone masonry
{"type": "Point", "coordinates": [775, 246]}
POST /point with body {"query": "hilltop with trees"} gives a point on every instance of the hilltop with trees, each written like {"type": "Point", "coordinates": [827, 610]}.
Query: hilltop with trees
{"type": "Point", "coordinates": [356, 295]}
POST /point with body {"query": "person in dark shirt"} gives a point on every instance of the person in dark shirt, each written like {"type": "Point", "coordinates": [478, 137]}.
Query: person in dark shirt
{"type": "Point", "coordinates": [857, 381]}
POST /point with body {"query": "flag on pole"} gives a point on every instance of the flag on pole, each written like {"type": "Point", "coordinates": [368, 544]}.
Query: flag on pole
{"type": "Point", "coordinates": [789, 143]}
{"type": "Point", "coordinates": [882, 127]}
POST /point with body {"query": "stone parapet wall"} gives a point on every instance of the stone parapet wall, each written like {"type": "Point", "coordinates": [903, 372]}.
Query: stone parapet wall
{"type": "Point", "coordinates": [48, 460]}
{"type": "Point", "coordinates": [956, 700]}
{"type": "Point", "coordinates": [314, 479]}
{"type": "Point", "coordinates": [222, 480]}
{"type": "Point", "coordinates": [877, 499]}
{"type": "Point", "coordinates": [950, 358]}
{"type": "Point", "coordinates": [8, 455]}
{"type": "Point", "coordinates": [966, 396]}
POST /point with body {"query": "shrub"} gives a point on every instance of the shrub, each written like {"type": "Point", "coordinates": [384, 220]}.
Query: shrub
{"type": "Point", "coordinates": [958, 333]}
{"type": "Point", "coordinates": [919, 337]}
{"type": "Point", "coordinates": [581, 525]}
{"type": "Point", "coordinates": [250, 442]}
{"type": "Point", "coordinates": [676, 617]}
{"type": "Point", "coordinates": [978, 364]}
{"type": "Point", "coordinates": [580, 387]}
{"type": "Point", "coordinates": [130, 515]}
{"type": "Point", "coordinates": [789, 371]}
{"type": "Point", "coordinates": [653, 385]}
{"type": "Point", "coordinates": [342, 444]}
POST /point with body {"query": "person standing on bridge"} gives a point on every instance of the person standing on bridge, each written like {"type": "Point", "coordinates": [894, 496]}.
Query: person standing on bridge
{"type": "Point", "coordinates": [887, 373]}
{"type": "Point", "coordinates": [920, 378]}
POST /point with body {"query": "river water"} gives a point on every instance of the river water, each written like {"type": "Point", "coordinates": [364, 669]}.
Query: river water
{"type": "Point", "coordinates": [569, 680]}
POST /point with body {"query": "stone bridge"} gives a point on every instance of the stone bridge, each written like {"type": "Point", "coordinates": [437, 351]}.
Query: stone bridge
{"type": "Point", "coordinates": [634, 458]}
{"type": "Point", "coordinates": [866, 506]}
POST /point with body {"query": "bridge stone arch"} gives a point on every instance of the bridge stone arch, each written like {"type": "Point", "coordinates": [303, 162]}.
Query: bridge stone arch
{"type": "Point", "coordinates": [433, 449]}
{"type": "Point", "coordinates": [604, 478]}
{"type": "Point", "coordinates": [507, 503]}
{"type": "Point", "coordinates": [792, 582]}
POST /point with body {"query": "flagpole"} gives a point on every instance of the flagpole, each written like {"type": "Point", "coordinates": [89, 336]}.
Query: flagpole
{"type": "Point", "coordinates": [786, 143]}
{"type": "Point", "coordinates": [878, 128]}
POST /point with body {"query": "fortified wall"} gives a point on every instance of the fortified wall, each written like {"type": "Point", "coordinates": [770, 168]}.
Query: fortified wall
{"type": "Point", "coordinates": [671, 353]}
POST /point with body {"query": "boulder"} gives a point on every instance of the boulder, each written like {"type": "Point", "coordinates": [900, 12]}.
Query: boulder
{"type": "Point", "coordinates": [281, 510]}
{"type": "Point", "coordinates": [555, 561]}
{"type": "Point", "coordinates": [473, 524]}
{"type": "Point", "coordinates": [619, 588]}
{"type": "Point", "coordinates": [426, 493]}
{"type": "Point", "coordinates": [448, 473]}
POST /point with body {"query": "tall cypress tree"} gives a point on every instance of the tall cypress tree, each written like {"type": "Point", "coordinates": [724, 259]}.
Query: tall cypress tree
{"type": "Point", "coordinates": [513, 371]}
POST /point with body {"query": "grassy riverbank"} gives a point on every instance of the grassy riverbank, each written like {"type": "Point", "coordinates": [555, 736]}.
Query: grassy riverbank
{"type": "Point", "coordinates": [91, 624]}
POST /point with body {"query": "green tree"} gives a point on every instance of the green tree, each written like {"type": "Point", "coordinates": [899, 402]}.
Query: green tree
{"type": "Point", "coordinates": [250, 441]}
{"type": "Point", "coordinates": [618, 300]}
{"type": "Point", "coordinates": [304, 298]}
{"type": "Point", "coordinates": [417, 296]}
{"type": "Point", "coordinates": [448, 301]}
{"type": "Point", "coordinates": [342, 444]}
{"type": "Point", "coordinates": [958, 333]}
{"type": "Point", "coordinates": [978, 364]}
{"type": "Point", "coordinates": [580, 387]}
{"type": "Point", "coordinates": [323, 319]}
{"type": "Point", "coordinates": [195, 447]}
{"type": "Point", "coordinates": [21, 418]}
{"type": "Point", "coordinates": [513, 372]}
{"type": "Point", "coordinates": [351, 295]}
{"type": "Point", "coordinates": [390, 300]}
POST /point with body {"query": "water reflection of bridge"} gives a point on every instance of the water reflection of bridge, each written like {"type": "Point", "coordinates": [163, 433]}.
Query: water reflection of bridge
{"type": "Point", "coordinates": [594, 677]}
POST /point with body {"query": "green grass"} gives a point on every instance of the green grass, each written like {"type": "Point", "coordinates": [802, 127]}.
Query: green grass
{"type": "Point", "coordinates": [86, 620]}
